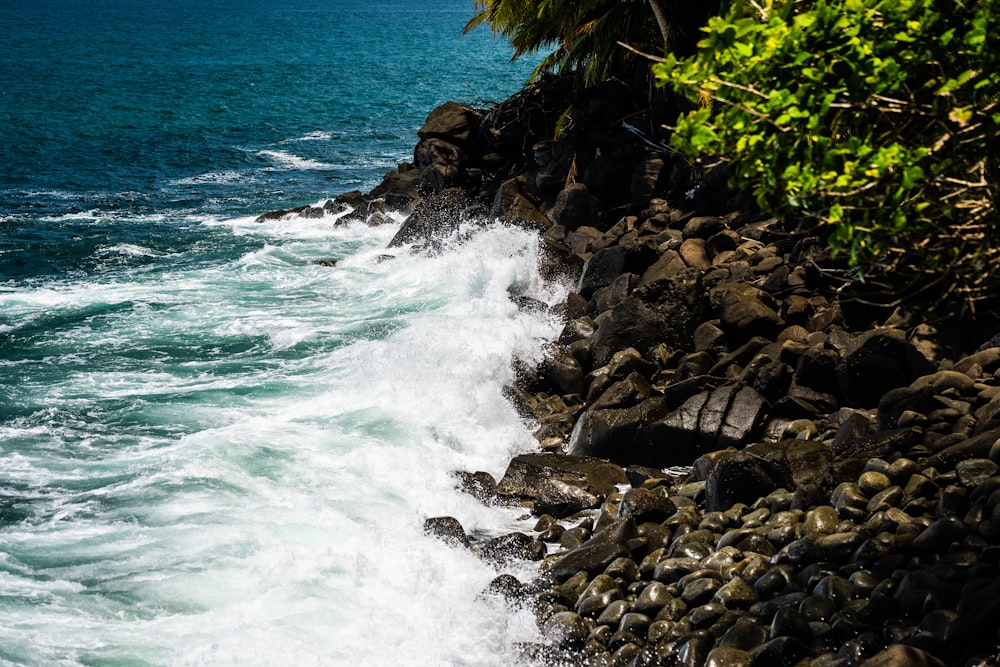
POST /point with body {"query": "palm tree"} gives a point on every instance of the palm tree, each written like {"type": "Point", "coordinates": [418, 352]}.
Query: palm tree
{"type": "Point", "coordinates": [587, 33]}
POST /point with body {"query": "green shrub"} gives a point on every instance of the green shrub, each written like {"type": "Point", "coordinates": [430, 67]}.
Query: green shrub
{"type": "Point", "coordinates": [873, 121]}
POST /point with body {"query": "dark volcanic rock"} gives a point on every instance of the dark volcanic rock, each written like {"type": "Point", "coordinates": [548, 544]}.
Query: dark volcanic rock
{"type": "Point", "coordinates": [725, 417]}
{"type": "Point", "coordinates": [619, 434]}
{"type": "Point", "coordinates": [878, 361]}
{"type": "Point", "coordinates": [448, 529]}
{"type": "Point", "coordinates": [453, 122]}
{"type": "Point", "coordinates": [527, 474]}
{"type": "Point", "coordinates": [666, 312]}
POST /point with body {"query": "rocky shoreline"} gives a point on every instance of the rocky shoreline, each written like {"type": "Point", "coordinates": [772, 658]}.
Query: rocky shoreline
{"type": "Point", "coordinates": [746, 455]}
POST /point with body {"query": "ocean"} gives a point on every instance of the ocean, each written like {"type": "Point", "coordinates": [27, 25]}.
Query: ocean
{"type": "Point", "coordinates": [218, 447]}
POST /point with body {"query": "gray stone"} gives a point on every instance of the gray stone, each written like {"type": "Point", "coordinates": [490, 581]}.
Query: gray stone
{"type": "Point", "coordinates": [973, 472]}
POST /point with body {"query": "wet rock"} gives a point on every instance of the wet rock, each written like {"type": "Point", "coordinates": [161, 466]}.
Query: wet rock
{"type": "Point", "coordinates": [513, 546]}
{"type": "Point", "coordinates": [561, 499]}
{"type": "Point", "coordinates": [898, 655]}
{"type": "Point", "coordinates": [708, 421]}
{"type": "Point", "coordinates": [507, 587]}
{"type": "Point", "coordinates": [435, 217]}
{"type": "Point", "coordinates": [736, 594]}
{"type": "Point", "coordinates": [527, 473]}
{"type": "Point", "coordinates": [480, 485]}
{"type": "Point", "coordinates": [562, 370]}
{"type": "Point", "coordinates": [598, 552]}
{"type": "Point", "coordinates": [729, 657]}
{"type": "Point", "coordinates": [646, 505]}
{"type": "Point", "coordinates": [448, 529]}
{"type": "Point", "coordinates": [665, 312]}
{"type": "Point", "coordinates": [567, 629]}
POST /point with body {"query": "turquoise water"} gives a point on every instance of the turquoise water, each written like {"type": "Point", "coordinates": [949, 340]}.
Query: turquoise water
{"type": "Point", "coordinates": [215, 450]}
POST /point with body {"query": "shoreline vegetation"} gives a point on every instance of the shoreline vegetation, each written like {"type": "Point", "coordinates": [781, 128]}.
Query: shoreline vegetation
{"type": "Point", "coordinates": [767, 435]}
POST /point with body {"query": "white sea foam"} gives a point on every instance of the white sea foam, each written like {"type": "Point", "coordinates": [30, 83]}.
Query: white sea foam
{"type": "Point", "coordinates": [263, 501]}
{"type": "Point", "coordinates": [129, 250]}
{"type": "Point", "coordinates": [285, 160]}
{"type": "Point", "coordinates": [318, 135]}
{"type": "Point", "coordinates": [229, 176]}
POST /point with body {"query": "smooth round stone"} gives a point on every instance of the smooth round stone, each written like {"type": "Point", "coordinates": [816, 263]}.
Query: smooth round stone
{"type": "Point", "coordinates": [821, 520]}
{"type": "Point", "coordinates": [652, 599]}
{"type": "Point", "coordinates": [973, 472]}
{"type": "Point", "coordinates": [782, 651]}
{"type": "Point", "coordinates": [700, 591]}
{"type": "Point", "coordinates": [601, 584]}
{"type": "Point", "coordinates": [670, 570]}
{"type": "Point", "coordinates": [899, 654]}
{"type": "Point", "coordinates": [736, 594]}
{"type": "Point", "coordinates": [817, 608]}
{"type": "Point", "coordinates": [673, 610]}
{"type": "Point", "coordinates": [595, 605]}
{"type": "Point", "coordinates": [637, 624]}
{"type": "Point", "coordinates": [920, 486]}
{"type": "Point", "coordinates": [601, 635]}
{"type": "Point", "coordinates": [729, 657]}
{"type": "Point", "coordinates": [745, 634]}
{"type": "Point", "coordinates": [835, 588]}
{"type": "Point", "coordinates": [873, 482]}
{"type": "Point", "coordinates": [694, 652]}
{"type": "Point", "coordinates": [626, 655]}
{"type": "Point", "coordinates": [613, 613]}
{"type": "Point", "coordinates": [839, 546]}
{"type": "Point", "coordinates": [877, 465]}
{"type": "Point", "coordinates": [704, 616]}
{"type": "Point", "coordinates": [939, 535]}
{"type": "Point", "coordinates": [771, 583]}
{"type": "Point", "coordinates": [901, 470]}
{"type": "Point", "coordinates": [723, 559]}
{"type": "Point", "coordinates": [886, 499]}
{"type": "Point", "coordinates": [624, 568]}
{"type": "Point", "coordinates": [756, 518]}
{"type": "Point", "coordinates": [788, 622]}
{"type": "Point", "coordinates": [856, 649]}
{"type": "Point", "coordinates": [862, 583]}
{"type": "Point", "coordinates": [659, 630]}
{"type": "Point", "coordinates": [567, 628]}
{"type": "Point", "coordinates": [994, 454]}
{"type": "Point", "coordinates": [804, 551]}
{"type": "Point", "coordinates": [782, 535]}
{"type": "Point", "coordinates": [951, 502]}
{"type": "Point", "coordinates": [697, 550]}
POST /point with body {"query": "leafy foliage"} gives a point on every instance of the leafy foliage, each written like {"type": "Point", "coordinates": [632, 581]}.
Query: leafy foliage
{"type": "Point", "coordinates": [586, 33]}
{"type": "Point", "coordinates": [875, 120]}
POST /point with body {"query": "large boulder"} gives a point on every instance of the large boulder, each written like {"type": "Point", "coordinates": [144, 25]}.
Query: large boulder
{"type": "Point", "coordinates": [527, 474]}
{"type": "Point", "coordinates": [455, 123]}
{"type": "Point", "coordinates": [664, 312]}
{"type": "Point", "coordinates": [878, 361]}
{"type": "Point", "coordinates": [434, 218]}
{"type": "Point", "coordinates": [621, 435]}
{"type": "Point", "coordinates": [728, 416]}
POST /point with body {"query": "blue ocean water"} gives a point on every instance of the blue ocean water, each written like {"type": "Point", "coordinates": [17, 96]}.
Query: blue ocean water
{"type": "Point", "coordinates": [215, 448]}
